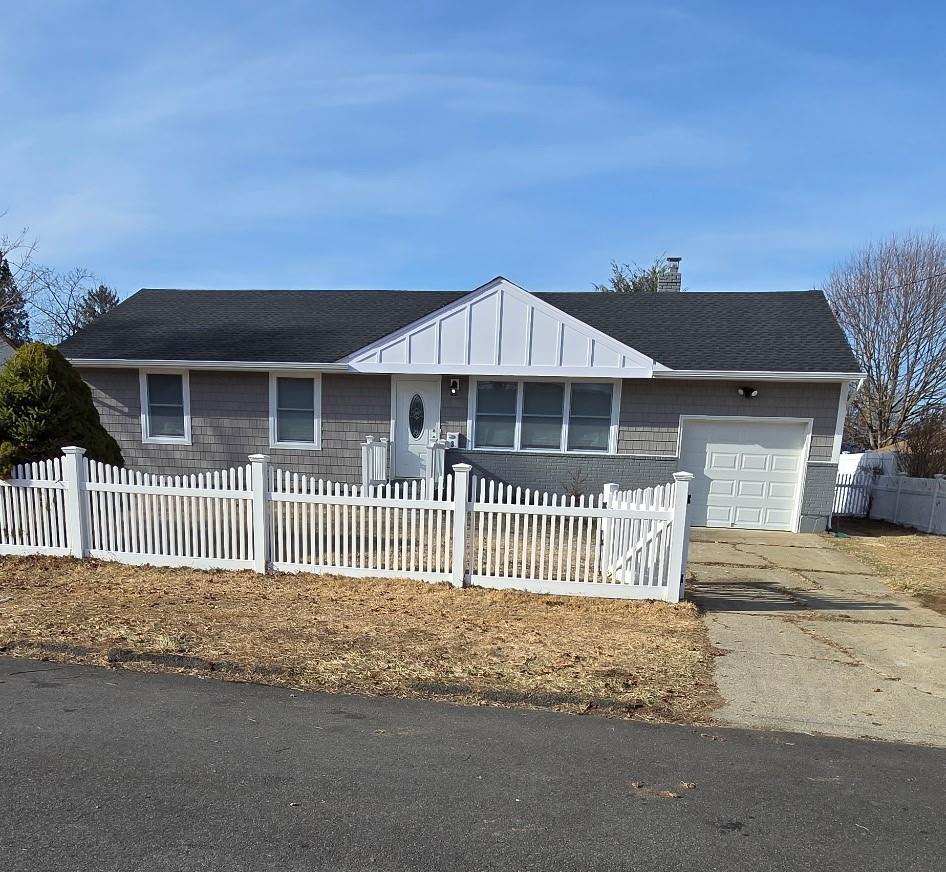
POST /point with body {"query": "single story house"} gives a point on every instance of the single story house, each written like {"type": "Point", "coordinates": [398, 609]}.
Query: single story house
{"type": "Point", "coordinates": [557, 391]}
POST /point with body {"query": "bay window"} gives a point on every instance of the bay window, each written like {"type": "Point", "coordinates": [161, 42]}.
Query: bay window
{"type": "Point", "coordinates": [550, 416]}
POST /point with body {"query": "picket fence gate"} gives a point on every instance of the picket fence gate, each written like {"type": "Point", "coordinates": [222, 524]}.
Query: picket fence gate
{"type": "Point", "coordinates": [621, 543]}
{"type": "Point", "coordinates": [852, 494]}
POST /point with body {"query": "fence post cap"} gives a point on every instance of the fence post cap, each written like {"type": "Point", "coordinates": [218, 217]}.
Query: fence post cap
{"type": "Point", "coordinates": [369, 438]}
{"type": "Point", "coordinates": [73, 449]}
{"type": "Point", "coordinates": [939, 475]}
{"type": "Point", "coordinates": [461, 467]}
{"type": "Point", "coordinates": [683, 476]}
{"type": "Point", "coordinates": [902, 474]}
{"type": "Point", "coordinates": [258, 458]}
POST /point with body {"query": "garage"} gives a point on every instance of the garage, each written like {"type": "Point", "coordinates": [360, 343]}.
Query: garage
{"type": "Point", "coordinates": [748, 472]}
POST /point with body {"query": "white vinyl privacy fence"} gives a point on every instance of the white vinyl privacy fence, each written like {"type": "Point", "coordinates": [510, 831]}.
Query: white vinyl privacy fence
{"type": "Point", "coordinates": [899, 499]}
{"type": "Point", "coordinates": [622, 543]}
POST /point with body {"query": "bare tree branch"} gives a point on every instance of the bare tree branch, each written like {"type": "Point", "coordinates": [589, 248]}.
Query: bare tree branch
{"type": "Point", "coordinates": [58, 301]}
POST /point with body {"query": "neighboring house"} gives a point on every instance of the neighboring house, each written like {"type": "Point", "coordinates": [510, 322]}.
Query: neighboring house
{"type": "Point", "coordinates": [557, 391]}
{"type": "Point", "coordinates": [7, 349]}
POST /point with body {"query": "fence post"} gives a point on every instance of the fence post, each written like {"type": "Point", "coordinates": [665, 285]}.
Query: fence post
{"type": "Point", "coordinates": [461, 482]}
{"type": "Point", "coordinates": [608, 497]}
{"type": "Point", "coordinates": [939, 483]}
{"type": "Point", "coordinates": [896, 509]}
{"type": "Point", "coordinates": [77, 521]}
{"type": "Point", "coordinates": [366, 461]}
{"type": "Point", "coordinates": [259, 479]}
{"type": "Point", "coordinates": [679, 536]}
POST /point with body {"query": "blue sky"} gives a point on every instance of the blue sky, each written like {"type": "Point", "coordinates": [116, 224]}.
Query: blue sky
{"type": "Point", "coordinates": [435, 145]}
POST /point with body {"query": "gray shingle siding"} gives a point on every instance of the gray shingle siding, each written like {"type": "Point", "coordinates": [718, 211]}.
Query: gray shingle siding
{"type": "Point", "coordinates": [651, 410]}
{"type": "Point", "coordinates": [230, 420]}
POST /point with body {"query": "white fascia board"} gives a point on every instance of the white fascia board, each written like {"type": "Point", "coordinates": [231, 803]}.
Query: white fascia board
{"type": "Point", "coordinates": [251, 366]}
{"type": "Point", "coordinates": [597, 372]}
{"type": "Point", "coordinates": [370, 357]}
{"type": "Point", "coordinates": [759, 375]}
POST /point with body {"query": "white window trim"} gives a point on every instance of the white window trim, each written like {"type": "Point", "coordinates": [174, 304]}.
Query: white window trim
{"type": "Point", "coordinates": [563, 448]}
{"type": "Point", "coordinates": [145, 407]}
{"type": "Point", "coordinates": [317, 410]}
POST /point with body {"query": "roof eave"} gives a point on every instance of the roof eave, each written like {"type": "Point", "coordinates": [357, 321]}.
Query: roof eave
{"type": "Point", "coordinates": [760, 375]}
{"type": "Point", "coordinates": [250, 365]}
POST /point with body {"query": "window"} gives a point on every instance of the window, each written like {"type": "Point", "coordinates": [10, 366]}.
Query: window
{"type": "Point", "coordinates": [496, 414]}
{"type": "Point", "coordinates": [589, 417]}
{"type": "Point", "coordinates": [542, 407]}
{"type": "Point", "coordinates": [294, 403]}
{"type": "Point", "coordinates": [165, 407]}
{"type": "Point", "coordinates": [543, 415]}
{"type": "Point", "coordinates": [415, 416]}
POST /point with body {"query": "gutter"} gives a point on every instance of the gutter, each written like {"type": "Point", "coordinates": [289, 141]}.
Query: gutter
{"type": "Point", "coordinates": [251, 366]}
{"type": "Point", "coordinates": [269, 366]}
{"type": "Point", "coordinates": [760, 375]}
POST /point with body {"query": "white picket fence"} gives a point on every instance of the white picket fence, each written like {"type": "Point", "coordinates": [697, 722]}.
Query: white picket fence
{"type": "Point", "coordinates": [626, 540]}
{"type": "Point", "coordinates": [629, 543]}
{"type": "Point", "coordinates": [898, 499]}
{"type": "Point", "coordinates": [33, 510]}
{"type": "Point", "coordinates": [400, 530]}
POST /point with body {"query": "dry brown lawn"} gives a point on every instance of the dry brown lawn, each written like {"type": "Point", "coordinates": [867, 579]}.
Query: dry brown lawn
{"type": "Point", "coordinates": [913, 562]}
{"type": "Point", "coordinates": [372, 636]}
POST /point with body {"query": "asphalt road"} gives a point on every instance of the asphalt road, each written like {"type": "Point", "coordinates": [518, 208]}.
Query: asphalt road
{"type": "Point", "coordinates": [113, 770]}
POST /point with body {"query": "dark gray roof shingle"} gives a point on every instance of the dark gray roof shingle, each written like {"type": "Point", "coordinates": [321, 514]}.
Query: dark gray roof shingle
{"type": "Point", "coordinates": [724, 331]}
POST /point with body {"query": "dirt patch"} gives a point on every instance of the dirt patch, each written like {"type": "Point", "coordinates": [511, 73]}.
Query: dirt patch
{"type": "Point", "coordinates": [374, 636]}
{"type": "Point", "coordinates": [913, 562]}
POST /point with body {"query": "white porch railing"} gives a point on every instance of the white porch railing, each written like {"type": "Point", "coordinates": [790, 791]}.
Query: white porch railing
{"type": "Point", "coordinates": [375, 461]}
{"type": "Point", "coordinates": [617, 544]}
{"type": "Point", "coordinates": [436, 461]}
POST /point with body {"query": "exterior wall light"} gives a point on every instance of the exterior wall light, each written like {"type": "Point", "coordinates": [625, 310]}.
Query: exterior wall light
{"type": "Point", "coordinates": [454, 387]}
{"type": "Point", "coordinates": [747, 392]}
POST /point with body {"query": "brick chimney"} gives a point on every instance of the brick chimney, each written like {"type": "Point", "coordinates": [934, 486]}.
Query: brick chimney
{"type": "Point", "coordinates": [670, 278]}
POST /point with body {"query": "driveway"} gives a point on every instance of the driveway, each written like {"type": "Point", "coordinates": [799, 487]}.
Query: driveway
{"type": "Point", "coordinates": [110, 770]}
{"type": "Point", "coordinates": [812, 640]}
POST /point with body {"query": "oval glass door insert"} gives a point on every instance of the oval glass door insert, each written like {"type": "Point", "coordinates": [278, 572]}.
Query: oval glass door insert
{"type": "Point", "coordinates": [415, 416]}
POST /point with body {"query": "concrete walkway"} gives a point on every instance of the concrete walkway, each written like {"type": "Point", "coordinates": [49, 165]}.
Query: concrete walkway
{"type": "Point", "coordinates": [811, 640]}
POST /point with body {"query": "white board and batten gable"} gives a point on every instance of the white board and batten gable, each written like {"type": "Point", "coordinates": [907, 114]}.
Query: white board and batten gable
{"type": "Point", "coordinates": [502, 329]}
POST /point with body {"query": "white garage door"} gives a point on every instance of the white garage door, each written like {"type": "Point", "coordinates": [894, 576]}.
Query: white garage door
{"type": "Point", "coordinates": [748, 473]}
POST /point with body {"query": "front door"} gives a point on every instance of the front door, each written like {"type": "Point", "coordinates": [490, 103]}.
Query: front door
{"type": "Point", "coordinates": [416, 424]}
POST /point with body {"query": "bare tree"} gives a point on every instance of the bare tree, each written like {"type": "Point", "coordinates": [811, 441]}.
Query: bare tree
{"type": "Point", "coordinates": [890, 298]}
{"type": "Point", "coordinates": [16, 288]}
{"type": "Point", "coordinates": [58, 300]}
{"type": "Point", "coordinates": [633, 278]}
